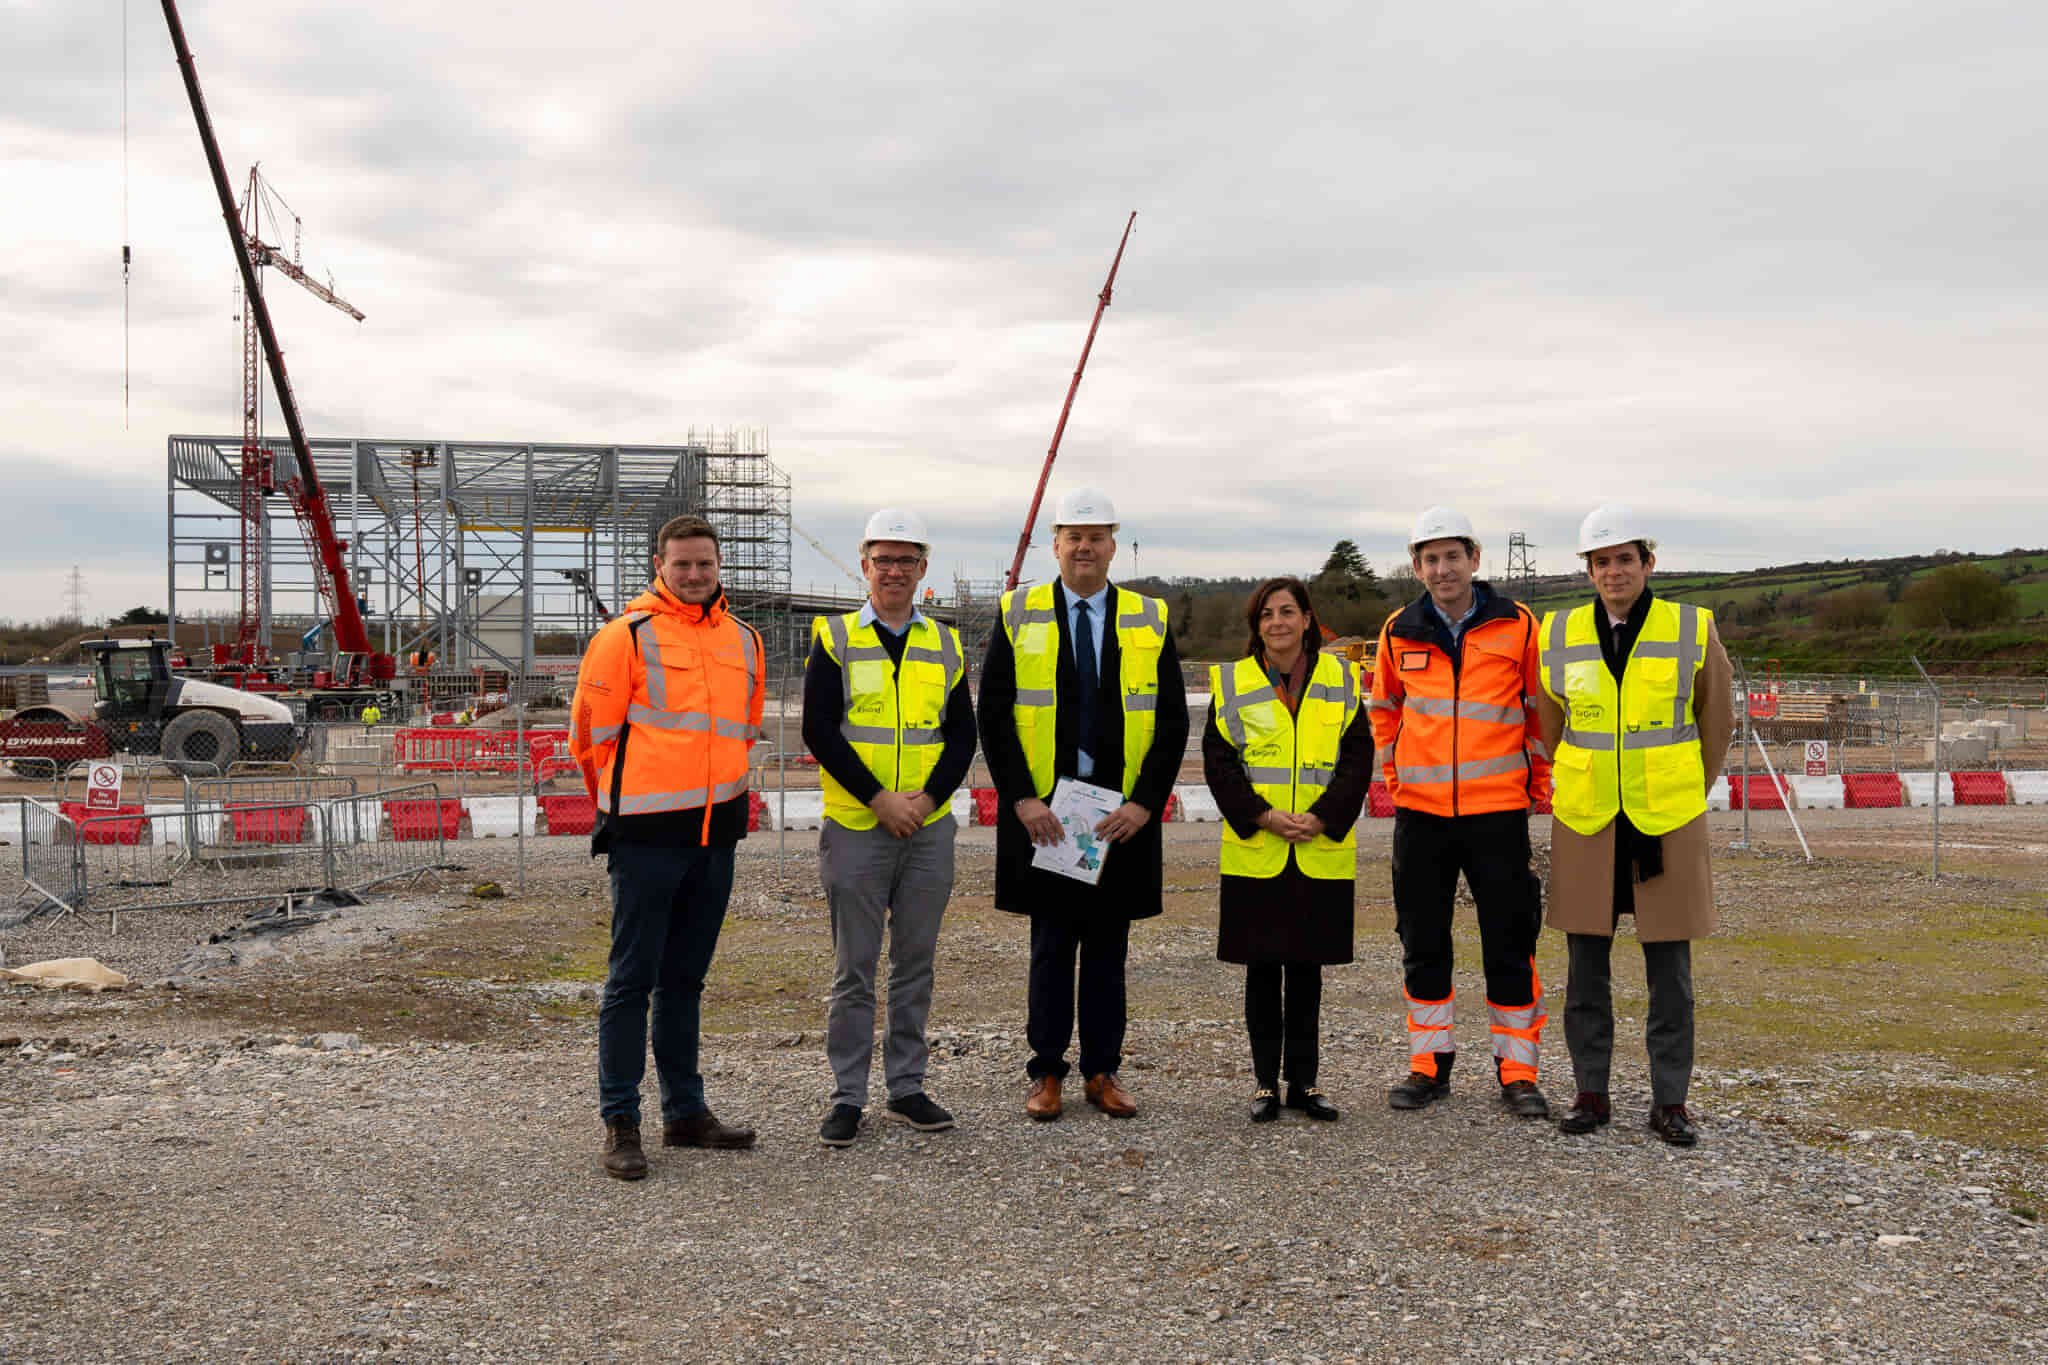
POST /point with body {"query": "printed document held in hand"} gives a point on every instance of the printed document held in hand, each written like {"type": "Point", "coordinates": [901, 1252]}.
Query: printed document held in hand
{"type": "Point", "coordinates": [1079, 807]}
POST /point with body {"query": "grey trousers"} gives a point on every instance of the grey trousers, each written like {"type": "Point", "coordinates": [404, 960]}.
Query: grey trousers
{"type": "Point", "coordinates": [871, 879]}
{"type": "Point", "coordinates": [1667, 1031]}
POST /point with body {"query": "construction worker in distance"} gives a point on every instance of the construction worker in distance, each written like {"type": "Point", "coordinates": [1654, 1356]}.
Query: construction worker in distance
{"type": "Point", "coordinates": [371, 714]}
{"type": "Point", "coordinates": [1637, 706]}
{"type": "Point", "coordinates": [888, 716]}
{"type": "Point", "coordinates": [1452, 714]}
{"type": "Point", "coordinates": [668, 704]}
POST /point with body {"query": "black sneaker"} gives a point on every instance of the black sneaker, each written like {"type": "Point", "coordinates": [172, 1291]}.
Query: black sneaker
{"type": "Point", "coordinates": [840, 1126]}
{"type": "Point", "coordinates": [920, 1113]}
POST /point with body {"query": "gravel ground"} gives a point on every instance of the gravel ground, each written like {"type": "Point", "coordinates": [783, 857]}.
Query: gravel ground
{"type": "Point", "coordinates": [176, 1193]}
{"type": "Point", "coordinates": [253, 1198]}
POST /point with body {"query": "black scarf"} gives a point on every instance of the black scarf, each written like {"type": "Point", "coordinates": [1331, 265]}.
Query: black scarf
{"type": "Point", "coordinates": [1637, 856]}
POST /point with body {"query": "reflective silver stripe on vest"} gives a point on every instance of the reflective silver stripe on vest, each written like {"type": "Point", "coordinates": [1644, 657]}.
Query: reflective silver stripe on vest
{"type": "Point", "coordinates": [1140, 701]}
{"type": "Point", "coordinates": [866, 734]}
{"type": "Point", "coordinates": [1134, 609]}
{"type": "Point", "coordinates": [1482, 767]}
{"type": "Point", "coordinates": [1338, 693]}
{"type": "Point", "coordinates": [657, 676]}
{"type": "Point", "coordinates": [1316, 775]}
{"type": "Point", "coordinates": [1429, 706]}
{"type": "Point", "coordinates": [650, 803]}
{"type": "Point", "coordinates": [1272, 777]}
{"type": "Point", "coordinates": [1587, 739]}
{"type": "Point", "coordinates": [1377, 705]}
{"type": "Point", "coordinates": [696, 721]}
{"type": "Point", "coordinates": [919, 654]}
{"type": "Point", "coordinates": [1654, 649]}
{"type": "Point", "coordinates": [600, 733]}
{"type": "Point", "coordinates": [950, 657]}
{"type": "Point", "coordinates": [747, 652]}
{"type": "Point", "coordinates": [1495, 715]}
{"type": "Point", "coordinates": [915, 736]}
{"type": "Point", "coordinates": [1034, 696]}
{"type": "Point", "coordinates": [1688, 660]}
{"type": "Point", "coordinates": [1657, 739]}
{"type": "Point", "coordinates": [1556, 653]}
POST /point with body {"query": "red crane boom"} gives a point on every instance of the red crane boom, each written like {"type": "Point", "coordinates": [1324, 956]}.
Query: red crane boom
{"type": "Point", "coordinates": [308, 498]}
{"type": "Point", "coordinates": [1038, 494]}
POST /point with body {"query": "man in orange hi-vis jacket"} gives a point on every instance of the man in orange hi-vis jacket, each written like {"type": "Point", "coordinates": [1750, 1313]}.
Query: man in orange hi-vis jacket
{"type": "Point", "coordinates": [1456, 730]}
{"type": "Point", "coordinates": [668, 702]}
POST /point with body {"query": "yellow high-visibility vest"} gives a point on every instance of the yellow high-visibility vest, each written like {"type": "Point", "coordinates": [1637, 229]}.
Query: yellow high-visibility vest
{"type": "Point", "coordinates": [1635, 747]}
{"type": "Point", "coordinates": [894, 716]}
{"type": "Point", "coordinates": [1034, 637]}
{"type": "Point", "coordinates": [1290, 759]}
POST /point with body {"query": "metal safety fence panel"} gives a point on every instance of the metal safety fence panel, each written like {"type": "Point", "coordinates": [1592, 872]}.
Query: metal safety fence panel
{"type": "Point", "coordinates": [49, 861]}
{"type": "Point", "coordinates": [378, 837]}
{"type": "Point", "coordinates": [266, 789]}
{"type": "Point", "coordinates": [200, 855]}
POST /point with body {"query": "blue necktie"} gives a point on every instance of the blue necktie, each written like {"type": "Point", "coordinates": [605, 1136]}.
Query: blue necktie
{"type": "Point", "coordinates": [1084, 677]}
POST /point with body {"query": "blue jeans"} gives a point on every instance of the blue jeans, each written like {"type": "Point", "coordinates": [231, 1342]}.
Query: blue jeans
{"type": "Point", "coordinates": [668, 904]}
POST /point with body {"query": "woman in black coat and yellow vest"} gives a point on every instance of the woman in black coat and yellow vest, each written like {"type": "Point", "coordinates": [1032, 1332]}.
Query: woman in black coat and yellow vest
{"type": "Point", "coordinates": [1288, 755]}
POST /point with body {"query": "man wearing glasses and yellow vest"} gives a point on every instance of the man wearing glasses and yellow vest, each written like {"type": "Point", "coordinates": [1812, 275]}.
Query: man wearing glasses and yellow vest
{"type": "Point", "coordinates": [1637, 710]}
{"type": "Point", "coordinates": [888, 717]}
{"type": "Point", "coordinates": [1082, 681]}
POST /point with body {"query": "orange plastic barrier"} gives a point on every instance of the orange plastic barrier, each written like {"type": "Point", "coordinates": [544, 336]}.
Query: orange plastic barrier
{"type": "Point", "coordinates": [1979, 788]}
{"type": "Point", "coordinates": [1873, 791]}
{"type": "Point", "coordinates": [1763, 793]}
{"type": "Point", "coordinates": [571, 813]}
{"type": "Point", "coordinates": [270, 824]}
{"type": "Point", "coordinates": [417, 820]}
{"type": "Point", "coordinates": [119, 829]}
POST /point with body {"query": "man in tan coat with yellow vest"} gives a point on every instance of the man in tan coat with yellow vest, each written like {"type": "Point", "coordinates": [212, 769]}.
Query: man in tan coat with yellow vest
{"type": "Point", "coordinates": [1636, 709]}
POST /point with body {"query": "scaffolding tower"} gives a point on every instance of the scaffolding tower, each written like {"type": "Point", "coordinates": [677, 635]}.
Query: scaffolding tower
{"type": "Point", "coordinates": [472, 550]}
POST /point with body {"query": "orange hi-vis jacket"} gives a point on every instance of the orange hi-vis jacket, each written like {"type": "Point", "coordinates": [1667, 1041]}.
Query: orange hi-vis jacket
{"type": "Point", "coordinates": [1456, 724]}
{"type": "Point", "coordinates": [668, 702]}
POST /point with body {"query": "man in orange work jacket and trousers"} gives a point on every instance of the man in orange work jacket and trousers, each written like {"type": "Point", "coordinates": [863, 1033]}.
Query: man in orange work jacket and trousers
{"type": "Point", "coordinates": [1458, 743]}
{"type": "Point", "coordinates": [668, 702]}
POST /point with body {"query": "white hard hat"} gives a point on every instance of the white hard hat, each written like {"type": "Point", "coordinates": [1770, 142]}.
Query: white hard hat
{"type": "Point", "coordinates": [1611, 523]}
{"type": "Point", "coordinates": [1441, 523]}
{"type": "Point", "coordinates": [1084, 507]}
{"type": "Point", "coordinates": [896, 523]}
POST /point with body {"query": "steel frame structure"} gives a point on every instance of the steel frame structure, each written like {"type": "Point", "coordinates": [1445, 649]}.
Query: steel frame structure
{"type": "Point", "coordinates": [501, 540]}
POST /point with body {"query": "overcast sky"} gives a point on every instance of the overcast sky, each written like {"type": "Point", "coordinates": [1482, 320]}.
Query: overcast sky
{"type": "Point", "coordinates": [1774, 274]}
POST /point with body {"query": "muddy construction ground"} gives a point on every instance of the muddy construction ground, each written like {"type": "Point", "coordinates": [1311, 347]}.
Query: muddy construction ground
{"type": "Point", "coordinates": [377, 1139]}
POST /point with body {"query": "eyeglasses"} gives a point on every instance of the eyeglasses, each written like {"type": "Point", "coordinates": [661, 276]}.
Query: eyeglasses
{"type": "Point", "coordinates": [891, 563]}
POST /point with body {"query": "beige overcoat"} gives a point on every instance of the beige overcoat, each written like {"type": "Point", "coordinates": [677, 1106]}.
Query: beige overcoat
{"type": "Point", "coordinates": [1680, 903]}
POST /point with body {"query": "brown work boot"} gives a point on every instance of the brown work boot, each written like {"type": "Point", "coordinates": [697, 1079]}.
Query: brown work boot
{"type": "Point", "coordinates": [1043, 1103]}
{"type": "Point", "coordinates": [704, 1130]}
{"type": "Point", "coordinates": [1107, 1093]}
{"type": "Point", "coordinates": [623, 1159]}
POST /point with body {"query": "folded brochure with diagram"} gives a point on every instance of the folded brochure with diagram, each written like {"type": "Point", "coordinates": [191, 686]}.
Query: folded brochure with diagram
{"type": "Point", "coordinates": [1079, 807]}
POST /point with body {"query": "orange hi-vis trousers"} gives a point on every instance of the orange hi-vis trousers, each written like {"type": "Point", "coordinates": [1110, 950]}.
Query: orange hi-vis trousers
{"type": "Point", "coordinates": [1517, 1032]}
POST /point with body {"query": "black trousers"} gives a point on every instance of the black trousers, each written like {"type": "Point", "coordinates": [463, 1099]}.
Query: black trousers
{"type": "Point", "coordinates": [1101, 944]}
{"type": "Point", "coordinates": [1492, 850]}
{"type": "Point", "coordinates": [1667, 1030]}
{"type": "Point", "coordinates": [1283, 1022]}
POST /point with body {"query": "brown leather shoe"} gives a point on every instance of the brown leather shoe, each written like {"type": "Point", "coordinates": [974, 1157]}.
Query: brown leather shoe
{"type": "Point", "coordinates": [1043, 1103]}
{"type": "Point", "coordinates": [704, 1130]}
{"type": "Point", "coordinates": [1107, 1093]}
{"type": "Point", "coordinates": [623, 1159]}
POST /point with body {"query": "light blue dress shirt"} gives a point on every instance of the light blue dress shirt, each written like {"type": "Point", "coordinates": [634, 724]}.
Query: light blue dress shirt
{"type": "Point", "coordinates": [1084, 762]}
{"type": "Point", "coordinates": [1458, 626]}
